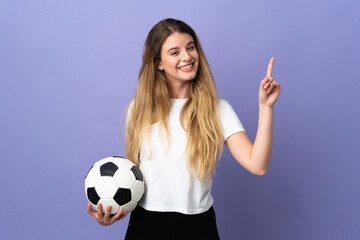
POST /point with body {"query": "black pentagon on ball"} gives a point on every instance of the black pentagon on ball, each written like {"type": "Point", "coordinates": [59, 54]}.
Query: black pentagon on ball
{"type": "Point", "coordinates": [93, 196]}
{"type": "Point", "coordinates": [122, 196]}
{"type": "Point", "coordinates": [108, 169]}
{"type": "Point", "coordinates": [137, 173]}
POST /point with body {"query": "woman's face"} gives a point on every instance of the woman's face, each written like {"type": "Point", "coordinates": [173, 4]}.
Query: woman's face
{"type": "Point", "coordinates": [179, 58]}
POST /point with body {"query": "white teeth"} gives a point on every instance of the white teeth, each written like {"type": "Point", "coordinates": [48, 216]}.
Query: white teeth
{"type": "Point", "coordinates": [187, 67]}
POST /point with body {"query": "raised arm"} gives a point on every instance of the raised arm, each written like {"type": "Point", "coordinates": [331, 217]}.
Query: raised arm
{"type": "Point", "coordinates": [256, 157]}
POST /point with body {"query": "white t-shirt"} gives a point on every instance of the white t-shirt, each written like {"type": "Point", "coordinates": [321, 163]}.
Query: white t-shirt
{"type": "Point", "coordinates": [168, 185]}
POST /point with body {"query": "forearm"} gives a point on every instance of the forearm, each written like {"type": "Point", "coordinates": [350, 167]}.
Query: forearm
{"type": "Point", "coordinates": [262, 148]}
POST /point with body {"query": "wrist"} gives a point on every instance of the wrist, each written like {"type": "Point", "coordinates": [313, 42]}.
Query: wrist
{"type": "Point", "coordinates": [264, 107]}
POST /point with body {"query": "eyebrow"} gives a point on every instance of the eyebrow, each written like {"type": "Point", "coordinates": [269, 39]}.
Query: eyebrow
{"type": "Point", "coordinates": [178, 47]}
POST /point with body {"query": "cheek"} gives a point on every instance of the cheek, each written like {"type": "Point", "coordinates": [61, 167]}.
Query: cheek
{"type": "Point", "coordinates": [167, 62]}
{"type": "Point", "coordinates": [173, 64]}
{"type": "Point", "coordinates": [196, 56]}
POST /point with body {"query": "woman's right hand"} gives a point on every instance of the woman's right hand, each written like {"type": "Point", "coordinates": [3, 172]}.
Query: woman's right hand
{"type": "Point", "coordinates": [105, 219]}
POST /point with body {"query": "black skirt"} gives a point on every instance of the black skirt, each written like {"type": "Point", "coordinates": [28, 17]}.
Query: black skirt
{"type": "Point", "coordinates": [144, 224]}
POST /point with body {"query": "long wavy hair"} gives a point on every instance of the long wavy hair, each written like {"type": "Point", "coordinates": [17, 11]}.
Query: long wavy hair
{"type": "Point", "coordinates": [153, 100]}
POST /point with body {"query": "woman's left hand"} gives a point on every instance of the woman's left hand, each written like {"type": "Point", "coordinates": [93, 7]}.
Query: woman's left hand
{"type": "Point", "coordinates": [269, 89]}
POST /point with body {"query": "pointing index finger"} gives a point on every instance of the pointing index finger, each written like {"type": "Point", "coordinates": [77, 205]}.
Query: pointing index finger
{"type": "Point", "coordinates": [270, 67]}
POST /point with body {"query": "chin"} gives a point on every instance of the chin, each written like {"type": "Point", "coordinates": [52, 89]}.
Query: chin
{"type": "Point", "coordinates": [190, 77]}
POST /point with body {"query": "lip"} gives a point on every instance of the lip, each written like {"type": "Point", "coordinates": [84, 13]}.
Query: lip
{"type": "Point", "coordinates": [187, 69]}
{"type": "Point", "coordinates": [185, 65]}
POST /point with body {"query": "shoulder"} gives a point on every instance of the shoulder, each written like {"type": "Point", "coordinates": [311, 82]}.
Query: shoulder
{"type": "Point", "coordinates": [224, 105]}
{"type": "Point", "coordinates": [223, 102]}
{"type": "Point", "coordinates": [130, 105]}
{"type": "Point", "coordinates": [129, 108]}
{"type": "Point", "coordinates": [229, 120]}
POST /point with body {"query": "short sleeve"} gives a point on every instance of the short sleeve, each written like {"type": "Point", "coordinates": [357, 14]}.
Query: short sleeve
{"type": "Point", "coordinates": [230, 122]}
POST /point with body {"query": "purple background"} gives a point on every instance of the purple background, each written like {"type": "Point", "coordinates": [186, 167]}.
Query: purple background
{"type": "Point", "coordinates": [69, 68]}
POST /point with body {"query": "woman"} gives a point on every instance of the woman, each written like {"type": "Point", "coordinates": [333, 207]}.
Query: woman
{"type": "Point", "coordinates": [176, 128]}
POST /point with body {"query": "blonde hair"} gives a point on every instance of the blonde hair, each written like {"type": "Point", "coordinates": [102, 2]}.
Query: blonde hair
{"type": "Point", "coordinates": [152, 103]}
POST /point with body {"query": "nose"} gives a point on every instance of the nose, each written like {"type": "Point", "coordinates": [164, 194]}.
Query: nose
{"type": "Point", "coordinates": [185, 56]}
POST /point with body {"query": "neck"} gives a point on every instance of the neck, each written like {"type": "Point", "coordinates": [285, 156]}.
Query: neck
{"type": "Point", "coordinates": [181, 90]}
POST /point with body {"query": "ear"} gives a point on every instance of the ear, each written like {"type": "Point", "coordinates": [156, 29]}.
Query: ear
{"type": "Point", "coordinates": [160, 67]}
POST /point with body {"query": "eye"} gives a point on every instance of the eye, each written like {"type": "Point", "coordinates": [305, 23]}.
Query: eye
{"type": "Point", "coordinates": [174, 53]}
{"type": "Point", "coordinates": [191, 48]}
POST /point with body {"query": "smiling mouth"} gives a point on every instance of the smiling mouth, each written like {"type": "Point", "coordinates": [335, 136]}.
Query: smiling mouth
{"type": "Point", "coordinates": [187, 67]}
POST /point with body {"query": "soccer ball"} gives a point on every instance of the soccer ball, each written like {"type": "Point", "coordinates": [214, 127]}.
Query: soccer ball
{"type": "Point", "coordinates": [114, 181]}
